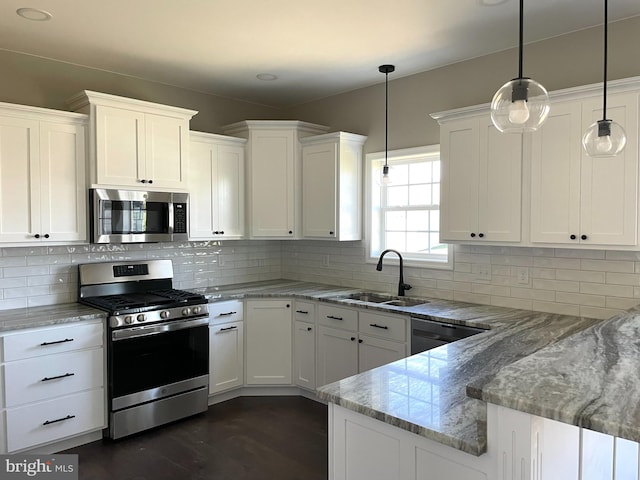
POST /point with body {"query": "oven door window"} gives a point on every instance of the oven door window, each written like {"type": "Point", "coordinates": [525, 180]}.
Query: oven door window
{"type": "Point", "coordinates": [130, 217]}
{"type": "Point", "coordinates": [146, 362]}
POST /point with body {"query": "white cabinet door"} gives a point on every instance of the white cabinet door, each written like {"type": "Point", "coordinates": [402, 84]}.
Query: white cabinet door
{"type": "Point", "coordinates": [609, 186]}
{"type": "Point", "coordinates": [577, 199]}
{"type": "Point", "coordinates": [481, 182]}
{"type": "Point", "coordinates": [337, 355]}
{"type": "Point", "coordinates": [499, 185]}
{"type": "Point", "coordinates": [166, 150]}
{"type": "Point", "coordinates": [229, 185]}
{"type": "Point", "coordinates": [20, 192]}
{"type": "Point", "coordinates": [374, 352]}
{"type": "Point", "coordinates": [269, 350]}
{"type": "Point", "coordinates": [555, 176]}
{"type": "Point", "coordinates": [203, 156]}
{"type": "Point", "coordinates": [319, 190]}
{"type": "Point", "coordinates": [273, 153]}
{"type": "Point", "coordinates": [226, 356]}
{"type": "Point", "coordinates": [459, 143]}
{"type": "Point", "coordinates": [304, 364]}
{"type": "Point", "coordinates": [62, 174]}
{"type": "Point", "coordinates": [120, 146]}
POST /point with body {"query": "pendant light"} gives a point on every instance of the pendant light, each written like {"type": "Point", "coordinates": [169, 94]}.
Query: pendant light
{"type": "Point", "coordinates": [386, 69]}
{"type": "Point", "coordinates": [604, 138]}
{"type": "Point", "coordinates": [521, 105]}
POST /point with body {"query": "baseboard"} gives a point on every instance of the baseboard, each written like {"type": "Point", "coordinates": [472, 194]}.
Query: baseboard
{"type": "Point", "coordinates": [263, 391]}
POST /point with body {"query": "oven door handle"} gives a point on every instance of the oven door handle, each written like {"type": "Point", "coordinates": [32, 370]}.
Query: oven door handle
{"type": "Point", "coordinates": [156, 329]}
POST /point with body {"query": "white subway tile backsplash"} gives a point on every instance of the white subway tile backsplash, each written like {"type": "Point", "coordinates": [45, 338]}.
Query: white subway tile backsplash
{"type": "Point", "coordinates": [621, 303]}
{"type": "Point", "coordinates": [557, 285]}
{"type": "Point", "coordinates": [596, 312]}
{"type": "Point", "coordinates": [607, 290]}
{"type": "Point", "coordinates": [490, 289]}
{"type": "Point", "coordinates": [472, 298]}
{"type": "Point", "coordinates": [511, 302]}
{"type": "Point", "coordinates": [552, 262]}
{"type": "Point", "coordinates": [559, 308]}
{"type": "Point", "coordinates": [623, 278]}
{"type": "Point", "coordinates": [581, 299]}
{"type": "Point", "coordinates": [579, 253]}
{"type": "Point", "coordinates": [581, 276]}
{"type": "Point", "coordinates": [608, 265]}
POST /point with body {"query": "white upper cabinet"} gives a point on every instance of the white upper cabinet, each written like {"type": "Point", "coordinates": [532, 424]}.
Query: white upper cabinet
{"type": "Point", "coordinates": [274, 175]}
{"type": "Point", "coordinates": [136, 143]}
{"type": "Point", "coordinates": [42, 175]}
{"type": "Point", "coordinates": [216, 186]}
{"type": "Point", "coordinates": [577, 199]}
{"type": "Point", "coordinates": [332, 186]}
{"type": "Point", "coordinates": [481, 183]}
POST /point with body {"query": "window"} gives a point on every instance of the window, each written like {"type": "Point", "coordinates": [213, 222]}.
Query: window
{"type": "Point", "coordinates": [405, 214]}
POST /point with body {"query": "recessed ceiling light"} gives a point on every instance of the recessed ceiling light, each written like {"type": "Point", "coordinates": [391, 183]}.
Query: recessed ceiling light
{"type": "Point", "coordinates": [34, 14]}
{"type": "Point", "coordinates": [267, 77]}
{"type": "Point", "coordinates": [491, 3]}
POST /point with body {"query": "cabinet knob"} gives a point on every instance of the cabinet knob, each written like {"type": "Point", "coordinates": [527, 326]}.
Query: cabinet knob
{"type": "Point", "coordinates": [330, 233]}
{"type": "Point", "coordinates": [583, 237]}
{"type": "Point", "coordinates": [473, 235]}
{"type": "Point", "coordinates": [37, 235]}
{"type": "Point", "coordinates": [481, 235]}
{"type": "Point", "coordinates": [290, 232]}
{"type": "Point", "coordinates": [360, 341]}
{"type": "Point", "coordinates": [572, 237]}
{"type": "Point", "coordinates": [150, 181]}
{"type": "Point", "coordinates": [143, 181]}
{"type": "Point", "coordinates": [309, 329]}
{"type": "Point", "coordinates": [353, 339]}
{"type": "Point", "coordinates": [46, 235]}
{"type": "Point", "coordinates": [288, 305]}
{"type": "Point", "coordinates": [221, 232]}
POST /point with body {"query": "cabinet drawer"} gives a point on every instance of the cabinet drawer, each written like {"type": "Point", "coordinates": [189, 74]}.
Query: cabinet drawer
{"type": "Point", "coordinates": [383, 326]}
{"type": "Point", "coordinates": [224, 312]}
{"type": "Point", "coordinates": [305, 311]}
{"type": "Point", "coordinates": [338, 317]}
{"type": "Point", "coordinates": [40, 378]}
{"type": "Point", "coordinates": [34, 343]}
{"type": "Point", "coordinates": [55, 419]}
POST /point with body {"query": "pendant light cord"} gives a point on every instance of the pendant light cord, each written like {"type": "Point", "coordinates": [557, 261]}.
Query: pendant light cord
{"type": "Point", "coordinates": [604, 83]}
{"type": "Point", "coordinates": [520, 55]}
{"type": "Point", "coordinates": [386, 118]}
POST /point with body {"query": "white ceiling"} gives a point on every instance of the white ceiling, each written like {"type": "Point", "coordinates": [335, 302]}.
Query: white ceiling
{"type": "Point", "coordinates": [316, 48]}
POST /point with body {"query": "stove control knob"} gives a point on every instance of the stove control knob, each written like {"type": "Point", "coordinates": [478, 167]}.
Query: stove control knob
{"type": "Point", "coordinates": [164, 314]}
{"type": "Point", "coordinates": [196, 310]}
{"type": "Point", "coordinates": [128, 319]}
{"type": "Point", "coordinates": [186, 311]}
{"type": "Point", "coordinates": [141, 317]}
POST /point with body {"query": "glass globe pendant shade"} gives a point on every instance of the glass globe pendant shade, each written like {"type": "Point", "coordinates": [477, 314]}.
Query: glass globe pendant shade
{"type": "Point", "coordinates": [521, 105]}
{"type": "Point", "coordinates": [604, 138]}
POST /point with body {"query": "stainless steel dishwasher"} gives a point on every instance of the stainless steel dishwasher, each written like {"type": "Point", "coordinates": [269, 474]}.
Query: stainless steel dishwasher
{"type": "Point", "coordinates": [427, 334]}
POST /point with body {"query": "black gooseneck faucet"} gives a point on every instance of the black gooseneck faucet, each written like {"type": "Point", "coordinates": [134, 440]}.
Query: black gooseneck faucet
{"type": "Point", "coordinates": [401, 285]}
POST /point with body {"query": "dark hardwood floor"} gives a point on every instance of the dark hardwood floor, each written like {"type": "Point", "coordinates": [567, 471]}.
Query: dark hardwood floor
{"type": "Point", "coordinates": [247, 438]}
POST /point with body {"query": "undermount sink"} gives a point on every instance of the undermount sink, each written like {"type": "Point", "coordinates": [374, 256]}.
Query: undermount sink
{"type": "Point", "coordinates": [384, 299]}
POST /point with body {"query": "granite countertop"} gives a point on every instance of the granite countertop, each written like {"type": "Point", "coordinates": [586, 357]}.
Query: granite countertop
{"type": "Point", "coordinates": [44, 316]}
{"type": "Point", "coordinates": [577, 370]}
{"type": "Point", "coordinates": [589, 379]}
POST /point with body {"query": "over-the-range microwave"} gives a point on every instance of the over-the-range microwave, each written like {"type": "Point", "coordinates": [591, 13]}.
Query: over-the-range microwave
{"type": "Point", "coordinates": [131, 216]}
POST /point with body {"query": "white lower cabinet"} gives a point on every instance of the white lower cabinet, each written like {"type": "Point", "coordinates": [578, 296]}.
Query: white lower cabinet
{"type": "Point", "coordinates": [361, 448]}
{"type": "Point", "coordinates": [351, 341]}
{"type": "Point", "coordinates": [268, 342]}
{"type": "Point", "coordinates": [226, 346]}
{"type": "Point", "coordinates": [304, 345]}
{"type": "Point", "coordinates": [337, 354]}
{"type": "Point", "coordinates": [53, 384]}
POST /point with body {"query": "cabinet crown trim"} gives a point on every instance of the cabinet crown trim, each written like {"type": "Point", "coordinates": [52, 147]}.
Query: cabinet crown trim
{"type": "Point", "coordinates": [87, 97]}
{"type": "Point", "coordinates": [214, 137]}
{"type": "Point", "coordinates": [334, 136]}
{"type": "Point", "coordinates": [39, 113]}
{"type": "Point", "coordinates": [630, 84]}
{"type": "Point", "coordinates": [306, 127]}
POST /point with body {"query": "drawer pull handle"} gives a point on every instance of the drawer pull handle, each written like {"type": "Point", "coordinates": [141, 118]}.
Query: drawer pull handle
{"type": "Point", "coordinates": [227, 314]}
{"type": "Point", "coordinates": [302, 311]}
{"type": "Point", "coordinates": [334, 318]}
{"type": "Point", "coordinates": [68, 417]}
{"type": "Point", "coordinates": [375, 325]}
{"type": "Point", "coordinates": [46, 379]}
{"type": "Point", "coordinates": [44, 344]}
{"type": "Point", "coordinates": [226, 329]}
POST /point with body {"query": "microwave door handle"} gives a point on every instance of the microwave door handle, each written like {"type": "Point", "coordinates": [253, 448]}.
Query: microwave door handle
{"type": "Point", "coordinates": [170, 213]}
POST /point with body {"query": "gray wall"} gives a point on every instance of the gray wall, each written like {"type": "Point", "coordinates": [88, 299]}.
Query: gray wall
{"type": "Point", "coordinates": [561, 62]}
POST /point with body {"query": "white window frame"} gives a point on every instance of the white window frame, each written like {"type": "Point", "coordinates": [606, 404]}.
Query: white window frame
{"type": "Point", "coordinates": [373, 162]}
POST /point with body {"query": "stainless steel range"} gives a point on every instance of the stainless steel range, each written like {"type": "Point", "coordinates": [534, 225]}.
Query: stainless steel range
{"type": "Point", "coordinates": [157, 343]}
